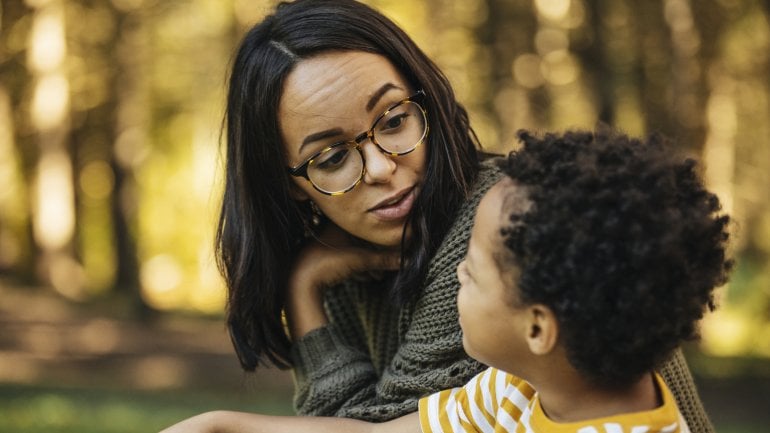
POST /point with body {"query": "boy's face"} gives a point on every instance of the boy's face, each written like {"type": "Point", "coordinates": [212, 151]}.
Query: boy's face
{"type": "Point", "coordinates": [488, 318]}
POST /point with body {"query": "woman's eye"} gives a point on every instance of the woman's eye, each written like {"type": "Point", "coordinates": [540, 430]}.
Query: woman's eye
{"type": "Point", "coordinates": [393, 123]}
{"type": "Point", "coordinates": [332, 159]}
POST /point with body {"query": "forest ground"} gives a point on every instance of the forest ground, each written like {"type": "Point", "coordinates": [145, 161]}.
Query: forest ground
{"type": "Point", "coordinates": [62, 361]}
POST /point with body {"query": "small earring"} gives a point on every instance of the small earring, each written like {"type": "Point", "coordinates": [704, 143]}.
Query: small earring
{"type": "Point", "coordinates": [316, 214]}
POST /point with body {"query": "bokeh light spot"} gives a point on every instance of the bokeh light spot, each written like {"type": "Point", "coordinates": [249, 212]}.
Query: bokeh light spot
{"type": "Point", "coordinates": [526, 71]}
{"type": "Point", "coordinates": [97, 180]}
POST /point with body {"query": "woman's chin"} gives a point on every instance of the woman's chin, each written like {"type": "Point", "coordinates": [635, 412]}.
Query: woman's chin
{"type": "Point", "coordinates": [386, 239]}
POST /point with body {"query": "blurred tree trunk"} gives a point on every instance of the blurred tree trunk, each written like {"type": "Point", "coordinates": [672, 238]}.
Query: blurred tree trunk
{"type": "Point", "coordinates": [14, 30]}
{"type": "Point", "coordinates": [97, 133]}
{"type": "Point", "coordinates": [128, 55]}
{"type": "Point", "coordinates": [708, 17]}
{"type": "Point", "coordinates": [654, 67]}
{"type": "Point", "coordinates": [595, 60]}
{"type": "Point", "coordinates": [688, 92]}
{"type": "Point", "coordinates": [508, 33]}
{"type": "Point", "coordinates": [671, 68]}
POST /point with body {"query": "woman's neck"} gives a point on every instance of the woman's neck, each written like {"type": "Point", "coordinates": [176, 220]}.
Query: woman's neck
{"type": "Point", "coordinates": [570, 398]}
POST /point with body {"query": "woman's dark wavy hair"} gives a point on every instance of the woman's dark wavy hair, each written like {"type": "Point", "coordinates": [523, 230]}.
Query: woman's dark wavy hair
{"type": "Point", "coordinates": [622, 242]}
{"type": "Point", "coordinates": [260, 225]}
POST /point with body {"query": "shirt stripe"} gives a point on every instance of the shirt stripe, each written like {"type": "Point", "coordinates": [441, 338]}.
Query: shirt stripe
{"type": "Point", "coordinates": [497, 402]}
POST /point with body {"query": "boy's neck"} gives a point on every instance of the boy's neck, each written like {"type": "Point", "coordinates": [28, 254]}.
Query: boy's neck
{"type": "Point", "coordinates": [570, 398]}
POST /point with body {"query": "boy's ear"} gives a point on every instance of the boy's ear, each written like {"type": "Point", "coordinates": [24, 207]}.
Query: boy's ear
{"type": "Point", "coordinates": [542, 329]}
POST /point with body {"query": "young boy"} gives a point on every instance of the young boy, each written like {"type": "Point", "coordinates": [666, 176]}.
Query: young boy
{"type": "Point", "coordinates": [587, 265]}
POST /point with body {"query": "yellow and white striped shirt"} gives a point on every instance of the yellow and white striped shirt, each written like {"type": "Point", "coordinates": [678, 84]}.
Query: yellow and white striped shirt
{"type": "Point", "coordinates": [498, 402]}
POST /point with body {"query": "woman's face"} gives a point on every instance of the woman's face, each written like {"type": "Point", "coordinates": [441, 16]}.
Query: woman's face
{"type": "Point", "coordinates": [335, 96]}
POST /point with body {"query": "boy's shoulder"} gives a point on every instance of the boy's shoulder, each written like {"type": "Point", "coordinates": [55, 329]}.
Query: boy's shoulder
{"type": "Point", "coordinates": [492, 401]}
{"type": "Point", "coordinates": [498, 401]}
{"type": "Point", "coordinates": [666, 418]}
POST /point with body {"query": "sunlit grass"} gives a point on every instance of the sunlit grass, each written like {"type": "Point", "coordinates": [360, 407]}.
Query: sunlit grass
{"type": "Point", "coordinates": [57, 410]}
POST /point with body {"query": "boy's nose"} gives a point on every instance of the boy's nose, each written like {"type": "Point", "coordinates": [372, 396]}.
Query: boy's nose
{"type": "Point", "coordinates": [379, 166]}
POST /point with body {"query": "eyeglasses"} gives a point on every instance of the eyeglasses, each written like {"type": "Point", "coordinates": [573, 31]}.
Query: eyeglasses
{"type": "Point", "coordinates": [338, 168]}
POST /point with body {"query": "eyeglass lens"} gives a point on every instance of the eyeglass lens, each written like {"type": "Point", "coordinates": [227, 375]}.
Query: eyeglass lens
{"type": "Point", "coordinates": [398, 132]}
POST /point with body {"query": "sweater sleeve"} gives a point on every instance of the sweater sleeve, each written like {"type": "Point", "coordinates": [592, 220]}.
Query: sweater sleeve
{"type": "Point", "coordinates": [331, 364]}
{"type": "Point", "coordinates": [337, 376]}
{"type": "Point", "coordinates": [328, 372]}
{"type": "Point", "coordinates": [430, 356]}
{"type": "Point", "coordinates": [679, 380]}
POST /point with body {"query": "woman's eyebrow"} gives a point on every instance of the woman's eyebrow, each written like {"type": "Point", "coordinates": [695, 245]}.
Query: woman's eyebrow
{"type": "Point", "coordinates": [333, 132]}
{"type": "Point", "coordinates": [338, 131]}
{"type": "Point", "coordinates": [378, 95]}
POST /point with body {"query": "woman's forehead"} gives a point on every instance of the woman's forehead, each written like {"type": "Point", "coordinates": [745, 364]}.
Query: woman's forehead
{"type": "Point", "coordinates": [334, 78]}
{"type": "Point", "coordinates": [335, 91]}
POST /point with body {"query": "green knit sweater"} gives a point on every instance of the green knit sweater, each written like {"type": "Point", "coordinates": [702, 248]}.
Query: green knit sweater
{"type": "Point", "coordinates": [373, 361]}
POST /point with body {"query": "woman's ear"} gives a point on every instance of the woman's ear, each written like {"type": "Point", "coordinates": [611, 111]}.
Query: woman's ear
{"type": "Point", "coordinates": [542, 329]}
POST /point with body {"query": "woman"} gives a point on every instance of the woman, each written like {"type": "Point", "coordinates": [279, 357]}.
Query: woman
{"type": "Point", "coordinates": [352, 180]}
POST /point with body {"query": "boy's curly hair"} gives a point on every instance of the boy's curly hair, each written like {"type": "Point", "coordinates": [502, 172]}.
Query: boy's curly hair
{"type": "Point", "coordinates": [622, 242]}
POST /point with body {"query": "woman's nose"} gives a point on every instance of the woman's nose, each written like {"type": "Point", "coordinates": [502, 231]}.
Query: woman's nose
{"type": "Point", "coordinates": [379, 166]}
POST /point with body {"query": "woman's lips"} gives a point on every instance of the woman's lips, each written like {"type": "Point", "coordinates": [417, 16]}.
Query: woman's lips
{"type": "Point", "coordinates": [395, 210]}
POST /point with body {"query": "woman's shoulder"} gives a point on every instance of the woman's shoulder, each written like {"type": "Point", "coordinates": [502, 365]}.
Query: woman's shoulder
{"type": "Point", "coordinates": [489, 174]}
{"type": "Point", "coordinates": [489, 164]}
{"type": "Point", "coordinates": [454, 245]}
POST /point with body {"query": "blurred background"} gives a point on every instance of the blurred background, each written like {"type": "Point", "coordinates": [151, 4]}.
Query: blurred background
{"type": "Point", "coordinates": [110, 178]}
